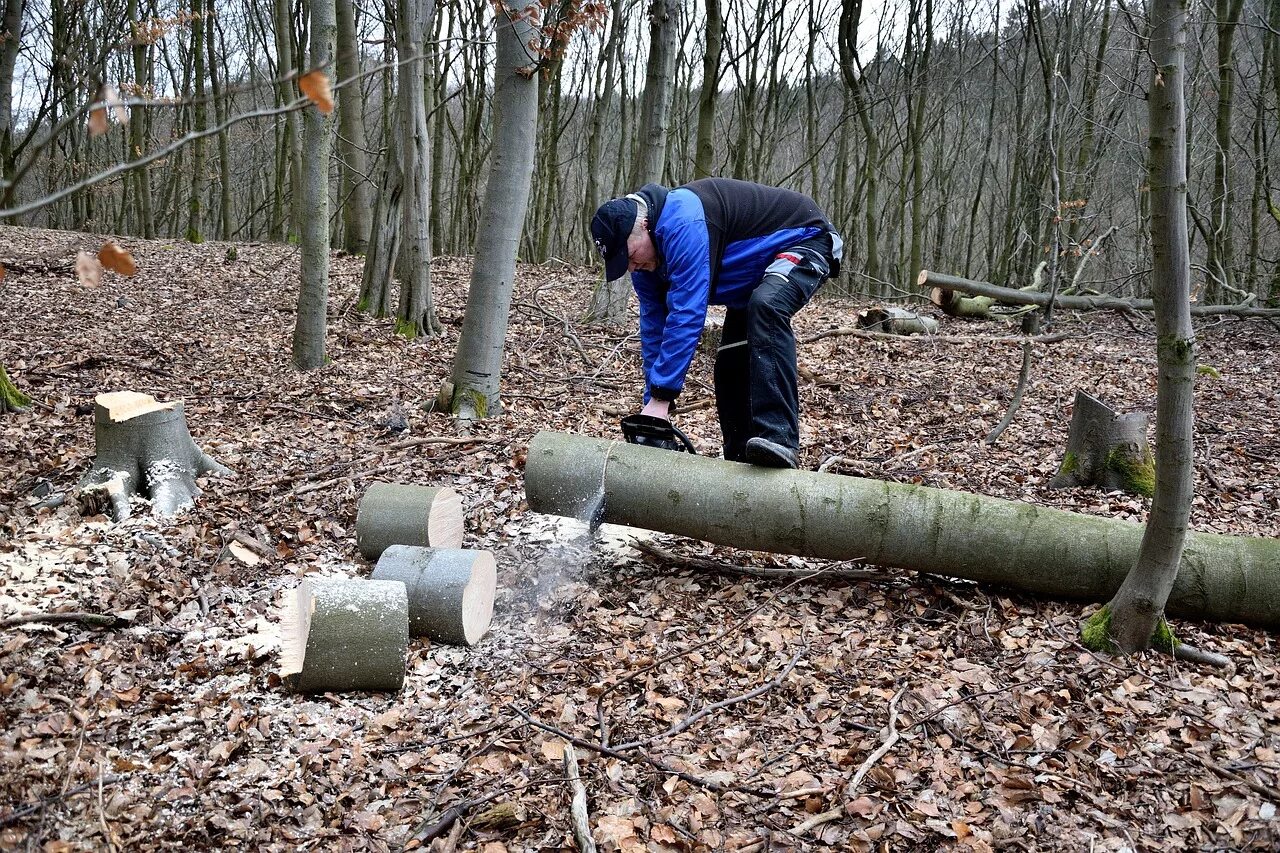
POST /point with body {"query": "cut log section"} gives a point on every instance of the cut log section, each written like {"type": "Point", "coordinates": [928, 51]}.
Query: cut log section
{"type": "Point", "coordinates": [1107, 449]}
{"type": "Point", "coordinates": [1044, 551]}
{"type": "Point", "coordinates": [896, 321]}
{"type": "Point", "coordinates": [339, 635]}
{"type": "Point", "coordinates": [396, 514]}
{"type": "Point", "coordinates": [143, 448]}
{"type": "Point", "coordinates": [450, 590]}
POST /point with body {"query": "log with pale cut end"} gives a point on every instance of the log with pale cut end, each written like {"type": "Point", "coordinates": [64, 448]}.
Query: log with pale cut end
{"type": "Point", "coordinates": [450, 590]}
{"type": "Point", "coordinates": [1045, 551]}
{"type": "Point", "coordinates": [339, 635]}
{"type": "Point", "coordinates": [397, 514]}
{"type": "Point", "coordinates": [1106, 449]}
{"type": "Point", "coordinates": [144, 448]}
{"type": "Point", "coordinates": [896, 321]}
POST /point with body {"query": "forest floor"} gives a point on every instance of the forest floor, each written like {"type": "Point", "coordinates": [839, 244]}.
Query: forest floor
{"type": "Point", "coordinates": [175, 733]}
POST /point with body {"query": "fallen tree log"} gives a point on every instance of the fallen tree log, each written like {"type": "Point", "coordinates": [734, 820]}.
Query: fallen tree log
{"type": "Point", "coordinates": [942, 285]}
{"type": "Point", "coordinates": [1044, 551]}
{"type": "Point", "coordinates": [143, 448]}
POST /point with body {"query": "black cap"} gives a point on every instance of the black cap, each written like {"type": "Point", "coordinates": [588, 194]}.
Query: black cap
{"type": "Point", "coordinates": [610, 229]}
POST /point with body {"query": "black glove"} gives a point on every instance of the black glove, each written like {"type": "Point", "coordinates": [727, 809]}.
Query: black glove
{"type": "Point", "coordinates": [655, 432]}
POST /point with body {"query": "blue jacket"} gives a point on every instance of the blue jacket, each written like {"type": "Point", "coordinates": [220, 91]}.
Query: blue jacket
{"type": "Point", "coordinates": [714, 238]}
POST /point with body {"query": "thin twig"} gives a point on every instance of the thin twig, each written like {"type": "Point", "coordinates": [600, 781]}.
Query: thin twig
{"type": "Point", "coordinates": [93, 620]}
{"type": "Point", "coordinates": [849, 331]}
{"type": "Point", "coordinates": [578, 805]}
{"type": "Point", "coordinates": [633, 758]}
{"type": "Point", "coordinates": [890, 738]}
{"type": "Point", "coordinates": [22, 811]}
{"type": "Point", "coordinates": [704, 564]}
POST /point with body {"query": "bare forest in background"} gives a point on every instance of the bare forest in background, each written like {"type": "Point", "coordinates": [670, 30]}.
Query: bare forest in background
{"type": "Point", "coordinates": [974, 139]}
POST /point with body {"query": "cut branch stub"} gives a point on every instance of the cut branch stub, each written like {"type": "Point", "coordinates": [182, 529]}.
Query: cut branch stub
{"type": "Point", "coordinates": [396, 514]}
{"type": "Point", "coordinates": [450, 590]}
{"type": "Point", "coordinates": [1106, 449]}
{"type": "Point", "coordinates": [954, 304]}
{"type": "Point", "coordinates": [143, 448]}
{"type": "Point", "coordinates": [344, 635]}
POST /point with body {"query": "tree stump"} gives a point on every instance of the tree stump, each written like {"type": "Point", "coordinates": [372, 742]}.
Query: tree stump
{"type": "Point", "coordinates": [450, 590]}
{"type": "Point", "coordinates": [896, 321]}
{"type": "Point", "coordinates": [1106, 449]}
{"type": "Point", "coordinates": [143, 448]}
{"type": "Point", "coordinates": [395, 514]}
{"type": "Point", "coordinates": [344, 635]}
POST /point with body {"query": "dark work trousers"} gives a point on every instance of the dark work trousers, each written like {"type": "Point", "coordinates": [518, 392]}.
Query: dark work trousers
{"type": "Point", "coordinates": [757, 391]}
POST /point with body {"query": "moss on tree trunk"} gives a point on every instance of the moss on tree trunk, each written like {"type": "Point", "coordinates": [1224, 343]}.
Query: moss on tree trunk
{"type": "Point", "coordinates": [11, 399]}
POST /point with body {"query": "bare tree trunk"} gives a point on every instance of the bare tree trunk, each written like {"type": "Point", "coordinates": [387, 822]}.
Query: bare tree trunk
{"type": "Point", "coordinates": [220, 110]}
{"type": "Point", "coordinates": [1138, 607]}
{"type": "Point", "coordinates": [313, 293]}
{"type": "Point", "coordinates": [609, 302]}
{"type": "Point", "coordinates": [706, 149]}
{"type": "Point", "coordinates": [415, 310]}
{"type": "Point", "coordinates": [290, 163]}
{"type": "Point", "coordinates": [356, 190]}
{"type": "Point", "coordinates": [1220, 258]}
{"type": "Point", "coordinates": [10, 31]}
{"type": "Point", "coordinates": [477, 367]}
{"type": "Point", "coordinates": [855, 82]}
{"type": "Point", "coordinates": [609, 59]}
{"type": "Point", "coordinates": [195, 214]}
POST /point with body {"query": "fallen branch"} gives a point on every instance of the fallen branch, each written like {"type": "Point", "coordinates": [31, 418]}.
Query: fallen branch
{"type": "Point", "coordinates": [890, 738]}
{"type": "Point", "coordinates": [22, 811]}
{"type": "Point", "coordinates": [1257, 787]}
{"type": "Point", "coordinates": [1195, 654]}
{"type": "Point", "coordinates": [706, 565]}
{"type": "Point", "coordinates": [942, 283]}
{"type": "Point", "coordinates": [706, 710]}
{"type": "Point", "coordinates": [849, 331]}
{"type": "Point", "coordinates": [633, 758]}
{"type": "Point", "coordinates": [578, 806]}
{"type": "Point", "coordinates": [93, 620]}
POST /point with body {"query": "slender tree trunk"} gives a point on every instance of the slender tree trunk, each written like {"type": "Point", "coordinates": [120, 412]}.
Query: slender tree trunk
{"type": "Point", "coordinates": [225, 228]}
{"type": "Point", "coordinates": [291, 155]}
{"type": "Point", "coordinates": [10, 31]}
{"type": "Point", "coordinates": [415, 309]}
{"type": "Point", "coordinates": [477, 367]}
{"type": "Point", "coordinates": [704, 162]}
{"type": "Point", "coordinates": [855, 82]}
{"type": "Point", "coordinates": [609, 301]}
{"type": "Point", "coordinates": [1220, 259]}
{"type": "Point", "coordinates": [200, 121]}
{"type": "Point", "coordinates": [1138, 606]}
{"type": "Point", "coordinates": [356, 190]}
{"type": "Point", "coordinates": [313, 294]}
{"type": "Point", "coordinates": [600, 118]}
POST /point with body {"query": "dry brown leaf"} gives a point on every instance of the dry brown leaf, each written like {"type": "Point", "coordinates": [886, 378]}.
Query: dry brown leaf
{"type": "Point", "coordinates": [117, 259]}
{"type": "Point", "coordinates": [112, 99]}
{"type": "Point", "coordinates": [315, 85]}
{"type": "Point", "coordinates": [88, 269]}
{"type": "Point", "coordinates": [98, 123]}
{"type": "Point", "coordinates": [2, 272]}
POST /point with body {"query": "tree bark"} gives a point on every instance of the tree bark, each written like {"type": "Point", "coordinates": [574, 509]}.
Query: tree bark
{"type": "Point", "coordinates": [313, 293]}
{"type": "Point", "coordinates": [195, 210]}
{"type": "Point", "coordinates": [1044, 551]}
{"type": "Point", "coordinates": [1139, 605]}
{"type": "Point", "coordinates": [288, 193]}
{"type": "Point", "coordinates": [1106, 449]}
{"type": "Point", "coordinates": [477, 367]}
{"type": "Point", "coordinates": [1010, 296]}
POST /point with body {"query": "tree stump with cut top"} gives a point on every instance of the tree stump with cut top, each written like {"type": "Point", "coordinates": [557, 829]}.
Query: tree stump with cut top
{"type": "Point", "coordinates": [1106, 449]}
{"type": "Point", "coordinates": [143, 448]}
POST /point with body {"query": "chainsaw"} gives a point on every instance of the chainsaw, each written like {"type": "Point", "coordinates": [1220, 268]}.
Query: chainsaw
{"type": "Point", "coordinates": [655, 432]}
